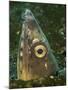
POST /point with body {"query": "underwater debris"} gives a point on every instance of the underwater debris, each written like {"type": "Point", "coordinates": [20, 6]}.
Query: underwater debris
{"type": "Point", "coordinates": [52, 77]}
{"type": "Point", "coordinates": [17, 32]}
{"type": "Point", "coordinates": [42, 82]}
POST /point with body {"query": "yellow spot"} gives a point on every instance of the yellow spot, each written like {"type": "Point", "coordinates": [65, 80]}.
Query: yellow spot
{"type": "Point", "coordinates": [35, 40]}
{"type": "Point", "coordinates": [21, 54]}
{"type": "Point", "coordinates": [46, 66]}
{"type": "Point", "coordinates": [21, 44]}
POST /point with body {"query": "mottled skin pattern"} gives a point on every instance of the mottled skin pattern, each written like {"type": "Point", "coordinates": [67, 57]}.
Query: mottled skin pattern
{"type": "Point", "coordinates": [29, 66]}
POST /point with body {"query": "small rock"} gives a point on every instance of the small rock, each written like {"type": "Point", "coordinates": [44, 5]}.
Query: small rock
{"type": "Point", "coordinates": [17, 32]}
{"type": "Point", "coordinates": [52, 77]}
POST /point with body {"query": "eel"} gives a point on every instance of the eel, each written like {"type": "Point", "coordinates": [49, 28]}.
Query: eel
{"type": "Point", "coordinates": [35, 58]}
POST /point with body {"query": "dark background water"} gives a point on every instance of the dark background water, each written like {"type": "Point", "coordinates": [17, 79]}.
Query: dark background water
{"type": "Point", "coordinates": [52, 20]}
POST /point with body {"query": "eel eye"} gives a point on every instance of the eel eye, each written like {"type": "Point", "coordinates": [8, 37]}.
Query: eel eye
{"type": "Point", "coordinates": [40, 51]}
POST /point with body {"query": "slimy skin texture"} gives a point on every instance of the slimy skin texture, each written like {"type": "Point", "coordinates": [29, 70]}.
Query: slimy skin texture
{"type": "Point", "coordinates": [35, 58]}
